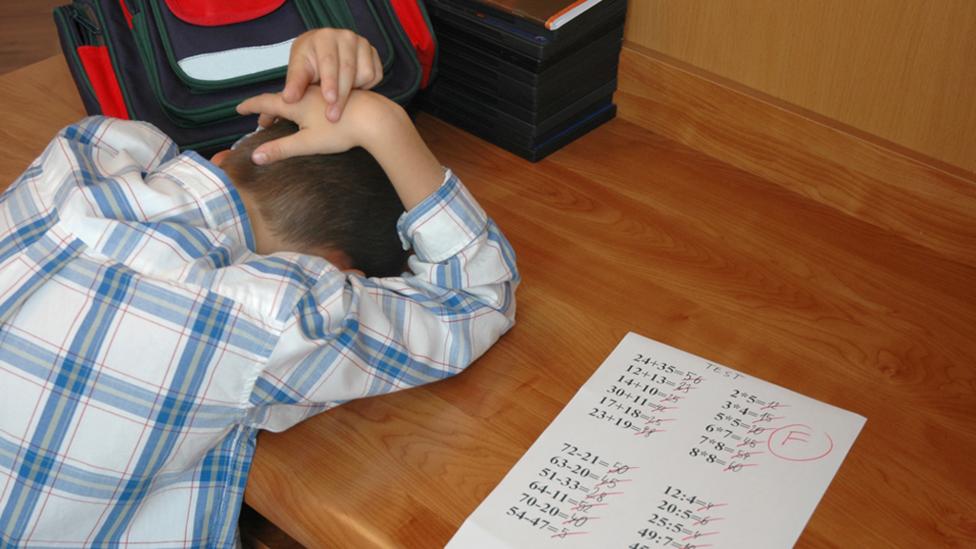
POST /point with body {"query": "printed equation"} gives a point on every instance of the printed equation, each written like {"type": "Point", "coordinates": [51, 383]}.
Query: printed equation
{"type": "Point", "coordinates": [749, 428]}
{"type": "Point", "coordinates": [646, 396]}
{"type": "Point", "coordinates": [661, 449]}
{"type": "Point", "coordinates": [681, 520]}
{"type": "Point", "coordinates": [575, 488]}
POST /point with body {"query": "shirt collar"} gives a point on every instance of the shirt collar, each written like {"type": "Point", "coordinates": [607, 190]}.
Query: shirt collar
{"type": "Point", "coordinates": [219, 198]}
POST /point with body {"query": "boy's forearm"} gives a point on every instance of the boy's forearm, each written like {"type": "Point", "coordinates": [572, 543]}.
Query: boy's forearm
{"type": "Point", "coordinates": [412, 168]}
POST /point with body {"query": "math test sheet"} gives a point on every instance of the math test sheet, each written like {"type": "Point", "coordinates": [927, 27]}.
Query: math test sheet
{"type": "Point", "coordinates": [661, 449]}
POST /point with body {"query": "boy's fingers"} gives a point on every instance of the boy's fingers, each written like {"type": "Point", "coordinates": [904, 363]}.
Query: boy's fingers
{"type": "Point", "coordinates": [328, 66]}
{"type": "Point", "coordinates": [257, 104]}
{"type": "Point", "coordinates": [268, 104]}
{"type": "Point", "coordinates": [296, 144]}
{"type": "Point", "coordinates": [253, 105]}
{"type": "Point", "coordinates": [347, 74]}
{"type": "Point", "coordinates": [377, 69]}
{"type": "Point", "coordinates": [266, 120]}
{"type": "Point", "coordinates": [364, 66]}
{"type": "Point", "coordinates": [301, 73]}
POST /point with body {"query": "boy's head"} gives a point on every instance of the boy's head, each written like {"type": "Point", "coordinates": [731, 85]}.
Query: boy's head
{"type": "Point", "coordinates": [338, 206]}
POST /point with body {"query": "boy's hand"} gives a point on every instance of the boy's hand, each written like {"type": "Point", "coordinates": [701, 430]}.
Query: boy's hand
{"type": "Point", "coordinates": [339, 60]}
{"type": "Point", "coordinates": [316, 134]}
{"type": "Point", "coordinates": [371, 121]}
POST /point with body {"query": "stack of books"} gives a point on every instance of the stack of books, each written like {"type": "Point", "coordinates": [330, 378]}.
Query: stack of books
{"type": "Point", "coordinates": [527, 75]}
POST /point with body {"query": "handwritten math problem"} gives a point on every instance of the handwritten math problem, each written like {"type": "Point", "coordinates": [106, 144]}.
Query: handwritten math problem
{"type": "Point", "coordinates": [663, 449]}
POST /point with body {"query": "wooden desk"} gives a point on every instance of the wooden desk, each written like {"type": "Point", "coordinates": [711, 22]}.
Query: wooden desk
{"type": "Point", "coordinates": [625, 230]}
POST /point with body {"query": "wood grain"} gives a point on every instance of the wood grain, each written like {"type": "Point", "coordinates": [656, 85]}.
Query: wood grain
{"type": "Point", "coordinates": [631, 230]}
{"type": "Point", "coordinates": [27, 32]}
{"type": "Point", "coordinates": [809, 155]}
{"type": "Point", "coordinates": [899, 69]}
{"type": "Point", "coordinates": [626, 230]}
{"type": "Point", "coordinates": [259, 533]}
{"type": "Point", "coordinates": [37, 101]}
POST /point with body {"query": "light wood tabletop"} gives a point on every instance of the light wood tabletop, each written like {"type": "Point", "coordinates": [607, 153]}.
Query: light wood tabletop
{"type": "Point", "coordinates": [623, 231]}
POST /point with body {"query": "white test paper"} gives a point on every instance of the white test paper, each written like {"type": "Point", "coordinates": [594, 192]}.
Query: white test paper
{"type": "Point", "coordinates": [664, 449]}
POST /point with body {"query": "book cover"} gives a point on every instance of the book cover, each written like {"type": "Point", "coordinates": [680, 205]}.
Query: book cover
{"type": "Point", "coordinates": [550, 14]}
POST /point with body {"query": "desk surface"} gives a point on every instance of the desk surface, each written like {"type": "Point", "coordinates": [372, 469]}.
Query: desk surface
{"type": "Point", "coordinates": [626, 231]}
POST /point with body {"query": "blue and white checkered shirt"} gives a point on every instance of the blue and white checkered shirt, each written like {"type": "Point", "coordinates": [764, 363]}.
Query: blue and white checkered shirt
{"type": "Point", "coordinates": [143, 343]}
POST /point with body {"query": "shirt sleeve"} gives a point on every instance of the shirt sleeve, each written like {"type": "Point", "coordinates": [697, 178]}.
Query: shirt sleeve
{"type": "Point", "coordinates": [116, 145]}
{"type": "Point", "coordinates": [94, 149]}
{"type": "Point", "coordinates": [352, 337]}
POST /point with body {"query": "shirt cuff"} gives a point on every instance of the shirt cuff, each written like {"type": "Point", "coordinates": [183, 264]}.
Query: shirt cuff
{"type": "Point", "coordinates": [444, 223]}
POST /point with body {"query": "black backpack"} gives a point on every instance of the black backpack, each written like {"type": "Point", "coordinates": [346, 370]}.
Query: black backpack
{"type": "Point", "coordinates": [184, 65]}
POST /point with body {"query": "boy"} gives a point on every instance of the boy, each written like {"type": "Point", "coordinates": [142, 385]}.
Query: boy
{"type": "Point", "coordinates": [154, 313]}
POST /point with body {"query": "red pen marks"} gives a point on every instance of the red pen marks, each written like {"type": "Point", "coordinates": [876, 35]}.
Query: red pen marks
{"type": "Point", "coordinates": [585, 519]}
{"type": "Point", "coordinates": [599, 497]}
{"type": "Point", "coordinates": [738, 466]}
{"type": "Point", "coordinates": [621, 469]}
{"type": "Point", "coordinates": [710, 506]}
{"type": "Point", "coordinates": [707, 520]}
{"type": "Point", "coordinates": [751, 442]}
{"type": "Point", "coordinates": [562, 535]}
{"type": "Point", "coordinates": [613, 481]}
{"type": "Point", "coordinates": [646, 432]}
{"type": "Point", "coordinates": [697, 535]}
{"type": "Point", "coordinates": [799, 442]}
{"type": "Point", "coordinates": [584, 507]}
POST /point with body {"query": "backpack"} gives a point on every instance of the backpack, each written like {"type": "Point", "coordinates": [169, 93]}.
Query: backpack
{"type": "Point", "coordinates": [184, 65]}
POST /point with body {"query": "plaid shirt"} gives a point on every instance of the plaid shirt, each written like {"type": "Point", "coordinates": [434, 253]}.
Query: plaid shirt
{"type": "Point", "coordinates": [143, 343]}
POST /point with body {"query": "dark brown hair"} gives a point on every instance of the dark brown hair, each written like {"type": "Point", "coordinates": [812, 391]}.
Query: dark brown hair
{"type": "Point", "coordinates": [341, 201]}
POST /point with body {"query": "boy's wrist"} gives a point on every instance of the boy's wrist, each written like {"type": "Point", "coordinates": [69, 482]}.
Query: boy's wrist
{"type": "Point", "coordinates": [380, 123]}
{"type": "Point", "coordinates": [390, 136]}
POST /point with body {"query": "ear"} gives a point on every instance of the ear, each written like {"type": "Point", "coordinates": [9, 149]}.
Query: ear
{"type": "Point", "coordinates": [219, 158]}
